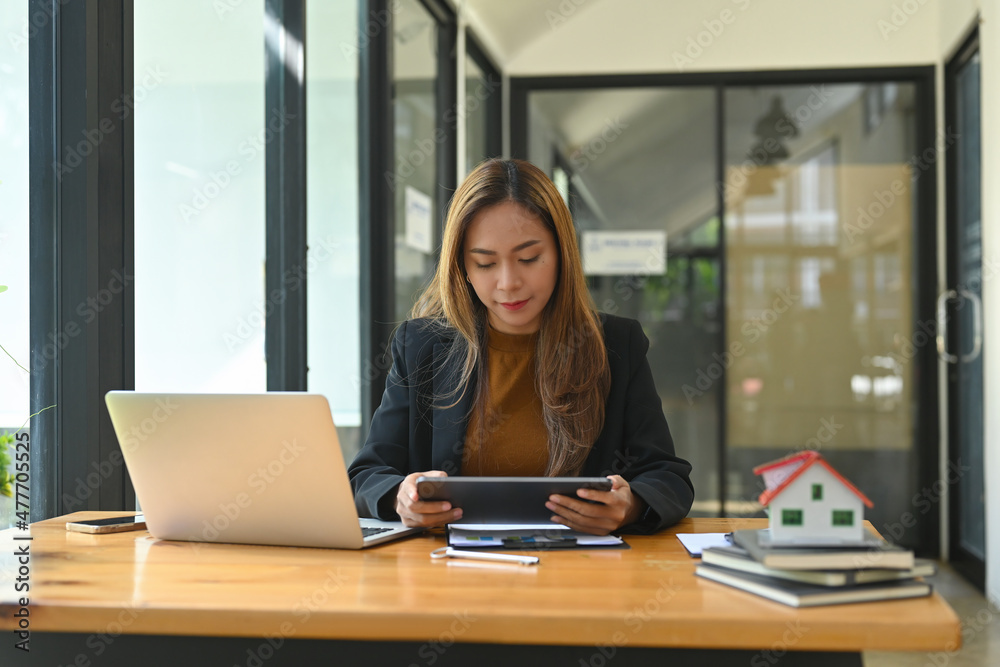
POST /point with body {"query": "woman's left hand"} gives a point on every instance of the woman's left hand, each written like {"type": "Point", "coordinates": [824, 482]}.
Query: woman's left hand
{"type": "Point", "coordinates": [619, 507]}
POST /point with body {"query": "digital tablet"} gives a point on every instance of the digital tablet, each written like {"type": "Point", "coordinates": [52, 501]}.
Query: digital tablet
{"type": "Point", "coordinates": [504, 499]}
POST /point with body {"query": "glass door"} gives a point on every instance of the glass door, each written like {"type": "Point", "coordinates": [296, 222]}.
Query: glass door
{"type": "Point", "coordinates": [638, 167]}
{"type": "Point", "coordinates": [961, 319]}
{"type": "Point", "coordinates": [792, 308]}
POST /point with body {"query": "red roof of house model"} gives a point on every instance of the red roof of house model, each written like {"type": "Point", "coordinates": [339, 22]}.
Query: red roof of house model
{"type": "Point", "coordinates": [807, 458]}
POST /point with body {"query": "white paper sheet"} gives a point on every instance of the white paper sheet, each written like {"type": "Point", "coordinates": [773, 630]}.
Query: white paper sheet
{"type": "Point", "coordinates": [695, 542]}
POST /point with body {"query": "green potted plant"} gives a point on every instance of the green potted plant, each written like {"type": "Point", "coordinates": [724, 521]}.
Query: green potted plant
{"type": "Point", "coordinates": [6, 481]}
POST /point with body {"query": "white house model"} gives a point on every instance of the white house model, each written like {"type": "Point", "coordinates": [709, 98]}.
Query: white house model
{"type": "Point", "coordinates": [810, 503]}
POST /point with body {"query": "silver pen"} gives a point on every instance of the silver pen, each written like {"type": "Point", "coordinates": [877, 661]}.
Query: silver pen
{"type": "Point", "coordinates": [450, 552]}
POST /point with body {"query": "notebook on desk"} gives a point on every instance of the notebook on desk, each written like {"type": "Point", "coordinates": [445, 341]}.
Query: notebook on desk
{"type": "Point", "coordinates": [249, 469]}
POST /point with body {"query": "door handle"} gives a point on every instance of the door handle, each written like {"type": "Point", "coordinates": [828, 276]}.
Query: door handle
{"type": "Point", "coordinates": [977, 325]}
{"type": "Point", "coordinates": [942, 326]}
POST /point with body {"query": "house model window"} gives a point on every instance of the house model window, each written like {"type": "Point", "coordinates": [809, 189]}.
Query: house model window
{"type": "Point", "coordinates": [791, 517]}
{"type": "Point", "coordinates": [843, 518]}
{"type": "Point", "coordinates": [817, 492]}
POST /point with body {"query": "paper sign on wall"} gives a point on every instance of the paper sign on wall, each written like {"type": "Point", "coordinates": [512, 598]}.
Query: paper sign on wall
{"type": "Point", "coordinates": [624, 253]}
{"type": "Point", "coordinates": [419, 227]}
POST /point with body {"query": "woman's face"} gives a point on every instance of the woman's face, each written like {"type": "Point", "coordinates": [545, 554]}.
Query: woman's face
{"type": "Point", "coordinates": [513, 263]}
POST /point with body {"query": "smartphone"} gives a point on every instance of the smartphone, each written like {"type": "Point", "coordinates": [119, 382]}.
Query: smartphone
{"type": "Point", "coordinates": [115, 524]}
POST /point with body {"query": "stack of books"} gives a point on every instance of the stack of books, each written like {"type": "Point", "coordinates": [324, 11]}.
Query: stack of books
{"type": "Point", "coordinates": [806, 576]}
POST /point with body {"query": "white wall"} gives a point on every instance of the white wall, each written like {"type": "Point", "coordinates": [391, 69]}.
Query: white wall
{"type": "Point", "coordinates": [615, 36]}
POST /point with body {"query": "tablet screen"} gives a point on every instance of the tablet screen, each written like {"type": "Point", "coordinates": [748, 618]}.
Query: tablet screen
{"type": "Point", "coordinates": [504, 499]}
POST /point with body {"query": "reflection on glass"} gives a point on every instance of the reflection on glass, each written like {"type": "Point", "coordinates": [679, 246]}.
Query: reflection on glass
{"type": "Point", "coordinates": [332, 208]}
{"type": "Point", "coordinates": [482, 92]}
{"type": "Point", "coordinates": [14, 219]}
{"type": "Point", "coordinates": [642, 160]}
{"type": "Point", "coordinates": [414, 180]}
{"type": "Point", "coordinates": [819, 218]}
{"type": "Point", "coordinates": [200, 136]}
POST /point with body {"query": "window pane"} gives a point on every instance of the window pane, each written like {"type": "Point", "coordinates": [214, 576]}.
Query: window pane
{"type": "Point", "coordinates": [482, 91]}
{"type": "Point", "coordinates": [200, 133]}
{"type": "Point", "coordinates": [820, 206]}
{"type": "Point", "coordinates": [642, 160]}
{"type": "Point", "coordinates": [15, 363]}
{"type": "Point", "coordinates": [332, 208]}
{"type": "Point", "coordinates": [414, 180]}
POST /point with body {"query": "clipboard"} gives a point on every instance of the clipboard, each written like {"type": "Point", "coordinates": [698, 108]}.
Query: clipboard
{"type": "Point", "coordinates": [527, 538]}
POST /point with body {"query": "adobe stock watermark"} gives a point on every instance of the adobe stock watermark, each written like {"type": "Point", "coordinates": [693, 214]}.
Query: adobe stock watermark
{"type": "Point", "coordinates": [971, 626]}
{"type": "Point", "coordinates": [925, 499]}
{"type": "Point", "coordinates": [99, 642]}
{"type": "Point", "coordinates": [87, 311]}
{"type": "Point", "coordinates": [752, 331]}
{"type": "Point", "coordinates": [793, 634]}
{"type": "Point", "coordinates": [714, 27]}
{"type": "Point", "coordinates": [763, 154]}
{"type": "Point", "coordinates": [583, 156]}
{"type": "Point", "coordinates": [39, 19]}
{"type": "Point", "coordinates": [376, 23]}
{"type": "Point", "coordinates": [225, 7]}
{"type": "Point", "coordinates": [900, 15]}
{"type": "Point", "coordinates": [259, 481]}
{"type": "Point", "coordinates": [122, 107]}
{"type": "Point", "coordinates": [424, 148]}
{"type": "Point", "coordinates": [132, 440]}
{"type": "Point", "coordinates": [430, 652]}
{"type": "Point", "coordinates": [635, 620]}
{"type": "Point", "coordinates": [291, 281]}
{"type": "Point", "coordinates": [566, 9]}
{"type": "Point", "coordinates": [302, 611]}
{"type": "Point", "coordinates": [219, 180]}
{"type": "Point", "coordinates": [883, 200]}
{"type": "Point", "coordinates": [926, 330]}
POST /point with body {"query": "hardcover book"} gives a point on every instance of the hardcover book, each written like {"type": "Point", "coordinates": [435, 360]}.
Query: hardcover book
{"type": "Point", "coordinates": [876, 554]}
{"type": "Point", "coordinates": [736, 558]}
{"type": "Point", "coordinates": [800, 594]}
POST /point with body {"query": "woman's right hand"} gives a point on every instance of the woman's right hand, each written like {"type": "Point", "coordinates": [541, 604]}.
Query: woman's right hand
{"type": "Point", "coordinates": [422, 513]}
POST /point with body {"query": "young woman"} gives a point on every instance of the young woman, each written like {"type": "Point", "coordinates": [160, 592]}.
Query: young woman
{"type": "Point", "coordinates": [506, 368]}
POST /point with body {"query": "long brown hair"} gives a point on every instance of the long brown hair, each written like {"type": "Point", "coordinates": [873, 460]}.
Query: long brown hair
{"type": "Point", "coordinates": [572, 378]}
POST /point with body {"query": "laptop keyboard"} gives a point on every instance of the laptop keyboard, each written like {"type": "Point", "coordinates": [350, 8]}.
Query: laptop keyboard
{"type": "Point", "coordinates": [368, 531]}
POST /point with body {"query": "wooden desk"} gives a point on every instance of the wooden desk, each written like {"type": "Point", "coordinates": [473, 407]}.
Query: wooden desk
{"type": "Point", "coordinates": [95, 596]}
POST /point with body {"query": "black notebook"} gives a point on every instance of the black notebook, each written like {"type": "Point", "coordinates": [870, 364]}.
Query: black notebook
{"type": "Point", "coordinates": [878, 554]}
{"type": "Point", "coordinates": [800, 594]}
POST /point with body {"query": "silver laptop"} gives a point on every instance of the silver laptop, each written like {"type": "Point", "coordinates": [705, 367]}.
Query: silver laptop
{"type": "Point", "coordinates": [249, 468]}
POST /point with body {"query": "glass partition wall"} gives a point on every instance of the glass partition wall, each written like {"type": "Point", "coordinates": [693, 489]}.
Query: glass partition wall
{"type": "Point", "coordinates": [783, 315]}
{"type": "Point", "coordinates": [592, 139]}
{"type": "Point", "coordinates": [414, 180]}
{"type": "Point", "coordinates": [819, 222]}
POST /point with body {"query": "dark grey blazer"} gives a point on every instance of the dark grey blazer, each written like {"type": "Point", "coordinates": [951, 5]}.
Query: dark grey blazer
{"type": "Point", "coordinates": [408, 434]}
